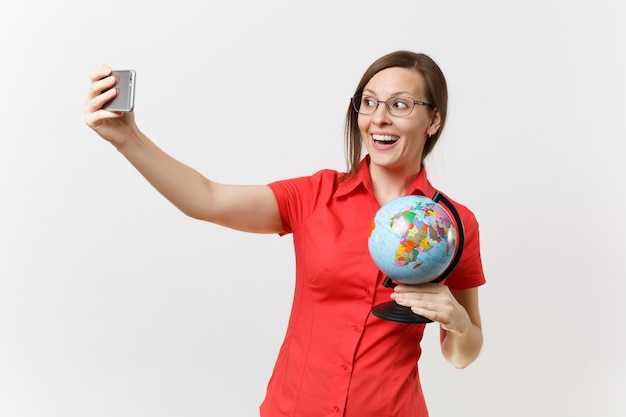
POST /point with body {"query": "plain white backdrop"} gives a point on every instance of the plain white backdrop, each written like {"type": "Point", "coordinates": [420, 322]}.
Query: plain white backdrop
{"type": "Point", "coordinates": [113, 303]}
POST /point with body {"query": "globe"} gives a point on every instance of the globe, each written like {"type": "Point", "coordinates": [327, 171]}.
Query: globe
{"type": "Point", "coordinates": [413, 239]}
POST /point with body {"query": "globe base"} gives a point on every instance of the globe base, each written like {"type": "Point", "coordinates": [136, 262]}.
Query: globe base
{"type": "Point", "coordinates": [392, 311]}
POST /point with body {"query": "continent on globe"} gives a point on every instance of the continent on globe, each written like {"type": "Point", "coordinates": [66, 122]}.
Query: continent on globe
{"type": "Point", "coordinates": [418, 236]}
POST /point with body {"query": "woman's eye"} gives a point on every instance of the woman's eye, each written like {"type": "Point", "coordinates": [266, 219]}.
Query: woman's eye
{"type": "Point", "coordinates": [368, 102]}
{"type": "Point", "coordinates": [400, 104]}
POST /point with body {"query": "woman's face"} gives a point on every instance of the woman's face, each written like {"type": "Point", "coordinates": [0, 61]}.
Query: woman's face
{"type": "Point", "coordinates": [393, 142]}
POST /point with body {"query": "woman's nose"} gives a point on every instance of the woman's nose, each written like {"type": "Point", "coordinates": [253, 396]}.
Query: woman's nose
{"type": "Point", "coordinates": [381, 115]}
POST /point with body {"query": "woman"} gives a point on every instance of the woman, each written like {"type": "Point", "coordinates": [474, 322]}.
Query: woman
{"type": "Point", "coordinates": [337, 358]}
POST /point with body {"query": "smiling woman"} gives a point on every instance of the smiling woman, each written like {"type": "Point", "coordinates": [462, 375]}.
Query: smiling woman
{"type": "Point", "coordinates": [395, 139]}
{"type": "Point", "coordinates": [427, 87]}
{"type": "Point", "coordinates": [336, 355]}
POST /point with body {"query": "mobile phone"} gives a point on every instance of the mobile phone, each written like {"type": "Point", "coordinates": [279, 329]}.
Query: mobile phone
{"type": "Point", "coordinates": [124, 101]}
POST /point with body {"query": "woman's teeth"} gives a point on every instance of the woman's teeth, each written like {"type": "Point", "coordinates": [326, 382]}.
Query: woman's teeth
{"type": "Point", "coordinates": [384, 139]}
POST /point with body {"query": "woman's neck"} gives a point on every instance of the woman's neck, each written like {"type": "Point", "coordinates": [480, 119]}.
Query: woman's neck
{"type": "Point", "coordinates": [389, 184]}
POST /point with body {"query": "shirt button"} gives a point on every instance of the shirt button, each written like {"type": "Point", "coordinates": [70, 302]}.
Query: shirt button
{"type": "Point", "coordinates": [344, 367]}
{"type": "Point", "coordinates": [355, 328]}
{"type": "Point", "coordinates": [367, 291]}
{"type": "Point", "coordinates": [337, 409]}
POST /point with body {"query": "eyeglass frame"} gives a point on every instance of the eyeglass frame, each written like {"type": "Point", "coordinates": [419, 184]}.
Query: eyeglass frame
{"type": "Point", "coordinates": [360, 96]}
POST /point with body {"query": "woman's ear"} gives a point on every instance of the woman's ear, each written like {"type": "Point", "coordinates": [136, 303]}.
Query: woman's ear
{"type": "Point", "coordinates": [435, 122]}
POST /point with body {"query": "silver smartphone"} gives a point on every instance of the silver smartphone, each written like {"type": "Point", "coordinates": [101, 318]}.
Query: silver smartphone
{"type": "Point", "coordinates": [125, 86]}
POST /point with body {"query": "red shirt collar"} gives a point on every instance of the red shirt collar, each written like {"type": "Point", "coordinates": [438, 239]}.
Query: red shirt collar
{"type": "Point", "coordinates": [420, 186]}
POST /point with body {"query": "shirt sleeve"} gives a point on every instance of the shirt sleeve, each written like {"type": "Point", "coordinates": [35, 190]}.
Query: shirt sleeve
{"type": "Point", "coordinates": [297, 197]}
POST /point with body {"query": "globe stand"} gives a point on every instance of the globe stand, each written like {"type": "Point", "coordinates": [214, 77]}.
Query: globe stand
{"type": "Point", "coordinates": [393, 311]}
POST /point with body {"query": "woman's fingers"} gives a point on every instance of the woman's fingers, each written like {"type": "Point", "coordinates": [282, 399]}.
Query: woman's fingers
{"type": "Point", "coordinates": [100, 93]}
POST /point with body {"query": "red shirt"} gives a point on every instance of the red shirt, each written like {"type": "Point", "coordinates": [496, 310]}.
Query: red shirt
{"type": "Point", "coordinates": [337, 358]}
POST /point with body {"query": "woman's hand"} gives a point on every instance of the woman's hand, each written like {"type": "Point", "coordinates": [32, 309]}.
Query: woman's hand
{"type": "Point", "coordinates": [457, 313]}
{"type": "Point", "coordinates": [115, 127]}
{"type": "Point", "coordinates": [436, 302]}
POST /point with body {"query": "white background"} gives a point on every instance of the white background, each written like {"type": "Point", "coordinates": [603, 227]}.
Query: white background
{"type": "Point", "coordinates": [113, 303]}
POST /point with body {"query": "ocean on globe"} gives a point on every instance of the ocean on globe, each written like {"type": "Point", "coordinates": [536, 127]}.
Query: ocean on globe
{"type": "Point", "coordinates": [413, 239]}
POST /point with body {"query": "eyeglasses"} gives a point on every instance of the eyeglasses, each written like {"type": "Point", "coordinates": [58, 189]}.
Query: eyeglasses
{"type": "Point", "coordinates": [396, 106]}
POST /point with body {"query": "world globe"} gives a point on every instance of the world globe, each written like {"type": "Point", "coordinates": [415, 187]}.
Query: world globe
{"type": "Point", "coordinates": [413, 239]}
